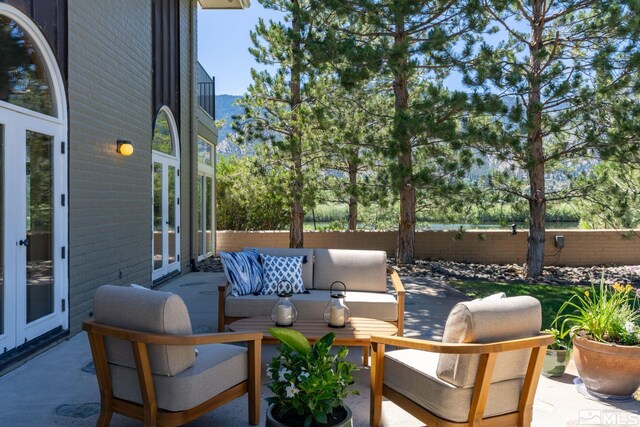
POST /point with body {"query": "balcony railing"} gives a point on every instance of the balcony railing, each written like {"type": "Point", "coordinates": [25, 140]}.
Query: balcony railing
{"type": "Point", "coordinates": [206, 91]}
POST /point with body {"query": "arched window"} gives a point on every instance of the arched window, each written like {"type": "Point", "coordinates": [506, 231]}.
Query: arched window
{"type": "Point", "coordinates": [163, 134]}
{"type": "Point", "coordinates": [24, 78]}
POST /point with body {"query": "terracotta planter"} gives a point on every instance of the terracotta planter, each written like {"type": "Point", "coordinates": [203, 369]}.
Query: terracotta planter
{"type": "Point", "coordinates": [272, 422]}
{"type": "Point", "coordinates": [555, 362]}
{"type": "Point", "coordinates": [607, 368]}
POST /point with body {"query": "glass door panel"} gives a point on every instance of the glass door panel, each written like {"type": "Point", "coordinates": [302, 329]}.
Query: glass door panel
{"type": "Point", "coordinates": [157, 216]}
{"type": "Point", "coordinates": [166, 216]}
{"type": "Point", "coordinates": [199, 239]}
{"type": "Point", "coordinates": [209, 214]}
{"type": "Point", "coordinates": [171, 220]}
{"type": "Point", "coordinates": [2, 291]}
{"type": "Point", "coordinates": [39, 238]}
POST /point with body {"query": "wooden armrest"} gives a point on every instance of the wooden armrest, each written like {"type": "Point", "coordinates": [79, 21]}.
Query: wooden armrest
{"type": "Point", "coordinates": [397, 285]}
{"type": "Point", "coordinates": [395, 280]}
{"type": "Point", "coordinates": [465, 348]}
{"type": "Point", "coordinates": [222, 295]}
{"type": "Point", "coordinates": [194, 339]}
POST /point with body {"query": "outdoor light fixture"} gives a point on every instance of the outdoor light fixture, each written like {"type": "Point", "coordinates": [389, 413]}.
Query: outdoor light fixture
{"type": "Point", "coordinates": [284, 313]}
{"type": "Point", "coordinates": [513, 229]}
{"type": "Point", "coordinates": [125, 147]}
{"type": "Point", "coordinates": [337, 314]}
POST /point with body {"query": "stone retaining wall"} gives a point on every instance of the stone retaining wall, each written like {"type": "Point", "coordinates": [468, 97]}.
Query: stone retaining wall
{"type": "Point", "coordinates": [581, 247]}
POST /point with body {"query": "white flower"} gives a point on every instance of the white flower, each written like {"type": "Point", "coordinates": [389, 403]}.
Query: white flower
{"type": "Point", "coordinates": [303, 376]}
{"type": "Point", "coordinates": [269, 373]}
{"type": "Point", "coordinates": [630, 327]}
{"type": "Point", "coordinates": [281, 373]}
{"type": "Point", "coordinates": [291, 390]}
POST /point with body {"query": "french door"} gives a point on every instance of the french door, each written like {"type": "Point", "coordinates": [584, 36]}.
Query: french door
{"type": "Point", "coordinates": [166, 215]}
{"type": "Point", "coordinates": [32, 265]}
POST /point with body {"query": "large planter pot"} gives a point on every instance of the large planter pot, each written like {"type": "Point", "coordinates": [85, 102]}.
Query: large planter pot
{"type": "Point", "coordinates": [555, 362]}
{"type": "Point", "coordinates": [607, 368]}
{"type": "Point", "coordinates": [272, 422]}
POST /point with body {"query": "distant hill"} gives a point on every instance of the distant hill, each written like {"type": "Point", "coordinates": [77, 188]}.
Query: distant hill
{"type": "Point", "coordinates": [225, 110]}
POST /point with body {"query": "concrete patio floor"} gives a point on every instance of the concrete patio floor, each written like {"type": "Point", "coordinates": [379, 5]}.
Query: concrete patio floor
{"type": "Point", "coordinates": [57, 387]}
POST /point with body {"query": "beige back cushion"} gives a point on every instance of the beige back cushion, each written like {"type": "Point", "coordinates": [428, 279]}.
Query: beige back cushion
{"type": "Point", "coordinates": [485, 321]}
{"type": "Point", "coordinates": [359, 270]}
{"type": "Point", "coordinates": [307, 267]}
{"type": "Point", "coordinates": [146, 311]}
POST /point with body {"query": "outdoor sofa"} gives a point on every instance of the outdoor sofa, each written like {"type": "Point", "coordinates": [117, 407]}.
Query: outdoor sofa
{"type": "Point", "coordinates": [364, 273]}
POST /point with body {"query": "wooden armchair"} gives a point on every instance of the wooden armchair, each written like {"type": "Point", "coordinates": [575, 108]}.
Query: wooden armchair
{"type": "Point", "coordinates": [147, 366]}
{"type": "Point", "coordinates": [485, 373]}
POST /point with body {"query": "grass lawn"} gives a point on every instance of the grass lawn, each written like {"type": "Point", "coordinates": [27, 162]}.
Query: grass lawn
{"type": "Point", "coordinates": [551, 297]}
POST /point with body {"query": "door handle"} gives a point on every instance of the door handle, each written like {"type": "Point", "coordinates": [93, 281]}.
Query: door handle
{"type": "Point", "coordinates": [24, 242]}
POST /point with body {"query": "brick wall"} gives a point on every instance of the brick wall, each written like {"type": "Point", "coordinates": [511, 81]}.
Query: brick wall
{"type": "Point", "coordinates": [109, 93]}
{"type": "Point", "coordinates": [582, 247]}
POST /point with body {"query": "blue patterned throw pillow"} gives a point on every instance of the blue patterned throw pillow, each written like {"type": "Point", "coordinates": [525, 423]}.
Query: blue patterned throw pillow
{"type": "Point", "coordinates": [243, 271]}
{"type": "Point", "coordinates": [279, 268]}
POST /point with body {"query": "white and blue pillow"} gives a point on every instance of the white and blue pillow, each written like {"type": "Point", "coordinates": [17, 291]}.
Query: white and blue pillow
{"type": "Point", "coordinates": [275, 269]}
{"type": "Point", "coordinates": [243, 271]}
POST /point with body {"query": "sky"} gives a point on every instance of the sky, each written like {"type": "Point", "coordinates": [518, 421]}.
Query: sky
{"type": "Point", "coordinates": [223, 43]}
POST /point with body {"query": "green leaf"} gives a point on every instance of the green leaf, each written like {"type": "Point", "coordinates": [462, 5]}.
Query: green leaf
{"type": "Point", "coordinates": [292, 339]}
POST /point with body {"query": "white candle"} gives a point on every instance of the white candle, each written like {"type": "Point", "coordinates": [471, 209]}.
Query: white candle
{"type": "Point", "coordinates": [336, 317]}
{"type": "Point", "coordinates": [284, 315]}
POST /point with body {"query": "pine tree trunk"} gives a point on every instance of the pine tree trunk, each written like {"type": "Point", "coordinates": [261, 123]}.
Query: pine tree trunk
{"type": "Point", "coordinates": [296, 236]}
{"type": "Point", "coordinates": [353, 201]}
{"type": "Point", "coordinates": [537, 193]}
{"type": "Point", "coordinates": [407, 226]}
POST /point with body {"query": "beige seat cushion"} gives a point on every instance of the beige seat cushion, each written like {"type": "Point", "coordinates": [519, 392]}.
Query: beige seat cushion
{"type": "Point", "coordinates": [412, 373]}
{"type": "Point", "coordinates": [218, 367]}
{"type": "Point", "coordinates": [307, 267]}
{"type": "Point", "coordinates": [484, 321]}
{"type": "Point", "coordinates": [359, 270]}
{"type": "Point", "coordinates": [146, 311]}
{"type": "Point", "coordinates": [381, 306]}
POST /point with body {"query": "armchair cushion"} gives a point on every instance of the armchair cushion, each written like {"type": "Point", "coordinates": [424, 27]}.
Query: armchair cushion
{"type": "Point", "coordinates": [359, 270]}
{"type": "Point", "coordinates": [485, 321]}
{"type": "Point", "coordinates": [412, 373]}
{"type": "Point", "coordinates": [382, 306]}
{"type": "Point", "coordinates": [218, 367]}
{"type": "Point", "coordinates": [146, 311]}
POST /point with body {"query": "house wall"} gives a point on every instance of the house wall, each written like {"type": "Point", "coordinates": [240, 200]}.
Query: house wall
{"type": "Point", "coordinates": [110, 98]}
{"type": "Point", "coordinates": [582, 247]}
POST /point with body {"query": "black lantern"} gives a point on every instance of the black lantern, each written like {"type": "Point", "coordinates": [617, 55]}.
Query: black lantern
{"type": "Point", "coordinates": [284, 313]}
{"type": "Point", "coordinates": [337, 314]}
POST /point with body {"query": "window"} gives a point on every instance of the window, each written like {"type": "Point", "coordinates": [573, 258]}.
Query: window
{"type": "Point", "coordinates": [162, 140]}
{"type": "Point", "coordinates": [23, 77]}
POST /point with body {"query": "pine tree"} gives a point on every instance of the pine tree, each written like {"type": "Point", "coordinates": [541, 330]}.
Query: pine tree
{"type": "Point", "coordinates": [409, 47]}
{"type": "Point", "coordinates": [278, 105]}
{"type": "Point", "coordinates": [551, 79]}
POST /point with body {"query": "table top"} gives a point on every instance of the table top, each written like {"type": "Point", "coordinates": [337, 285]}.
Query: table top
{"type": "Point", "coordinates": [357, 332]}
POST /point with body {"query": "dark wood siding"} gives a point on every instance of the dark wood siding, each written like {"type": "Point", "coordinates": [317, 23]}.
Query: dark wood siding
{"type": "Point", "coordinates": [51, 18]}
{"type": "Point", "coordinates": [166, 56]}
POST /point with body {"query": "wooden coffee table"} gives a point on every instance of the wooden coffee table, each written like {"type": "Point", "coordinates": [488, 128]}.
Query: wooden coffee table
{"type": "Point", "coordinates": [357, 333]}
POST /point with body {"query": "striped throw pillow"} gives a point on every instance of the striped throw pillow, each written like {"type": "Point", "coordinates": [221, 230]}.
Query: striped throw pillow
{"type": "Point", "coordinates": [243, 271]}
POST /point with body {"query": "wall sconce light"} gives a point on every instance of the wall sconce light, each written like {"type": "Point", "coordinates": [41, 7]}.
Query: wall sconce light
{"type": "Point", "coordinates": [125, 147]}
{"type": "Point", "coordinates": [514, 230]}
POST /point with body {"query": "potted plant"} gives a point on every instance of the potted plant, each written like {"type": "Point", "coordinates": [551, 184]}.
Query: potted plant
{"type": "Point", "coordinates": [556, 357]}
{"type": "Point", "coordinates": [603, 323]}
{"type": "Point", "coordinates": [308, 382]}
